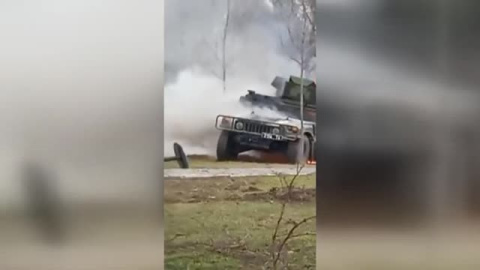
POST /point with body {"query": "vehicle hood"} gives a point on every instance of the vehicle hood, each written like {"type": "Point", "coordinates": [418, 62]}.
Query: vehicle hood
{"type": "Point", "coordinates": [278, 120]}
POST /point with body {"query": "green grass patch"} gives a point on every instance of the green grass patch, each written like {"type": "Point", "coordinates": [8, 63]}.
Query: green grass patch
{"type": "Point", "coordinates": [242, 231]}
{"type": "Point", "coordinates": [200, 260]}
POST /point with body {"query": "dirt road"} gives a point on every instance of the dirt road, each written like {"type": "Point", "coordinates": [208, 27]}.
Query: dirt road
{"type": "Point", "coordinates": [232, 172]}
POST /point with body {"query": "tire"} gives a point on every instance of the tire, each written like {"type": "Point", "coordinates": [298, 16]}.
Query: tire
{"type": "Point", "coordinates": [182, 159]}
{"type": "Point", "coordinates": [226, 148]}
{"type": "Point", "coordinates": [299, 150]}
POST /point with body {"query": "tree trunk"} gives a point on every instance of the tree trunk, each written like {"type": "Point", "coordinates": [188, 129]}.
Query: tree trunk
{"type": "Point", "coordinates": [302, 70]}
{"type": "Point", "coordinates": [224, 61]}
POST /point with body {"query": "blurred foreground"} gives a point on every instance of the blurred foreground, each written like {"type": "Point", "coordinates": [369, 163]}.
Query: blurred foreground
{"type": "Point", "coordinates": [399, 135]}
{"type": "Point", "coordinates": [81, 100]}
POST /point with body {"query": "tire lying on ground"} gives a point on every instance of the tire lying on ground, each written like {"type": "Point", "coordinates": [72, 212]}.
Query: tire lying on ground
{"type": "Point", "coordinates": [226, 149]}
{"type": "Point", "coordinates": [299, 150]}
{"type": "Point", "coordinates": [182, 159]}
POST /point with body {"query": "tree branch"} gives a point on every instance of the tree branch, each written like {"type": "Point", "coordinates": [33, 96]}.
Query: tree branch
{"type": "Point", "coordinates": [307, 11]}
{"type": "Point", "coordinates": [301, 235]}
{"type": "Point", "coordinates": [288, 237]}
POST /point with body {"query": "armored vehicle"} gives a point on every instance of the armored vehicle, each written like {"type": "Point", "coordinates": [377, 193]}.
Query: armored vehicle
{"type": "Point", "coordinates": [287, 99]}
{"type": "Point", "coordinates": [272, 134]}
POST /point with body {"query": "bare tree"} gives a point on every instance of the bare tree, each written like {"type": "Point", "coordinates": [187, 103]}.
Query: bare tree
{"type": "Point", "coordinates": [300, 45]}
{"type": "Point", "coordinates": [224, 47]}
{"type": "Point", "coordinates": [218, 45]}
{"type": "Point", "coordinates": [279, 241]}
{"type": "Point", "coordinates": [301, 30]}
{"type": "Point", "coordinates": [301, 40]}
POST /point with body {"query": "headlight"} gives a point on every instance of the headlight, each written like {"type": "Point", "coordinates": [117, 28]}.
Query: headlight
{"type": "Point", "coordinates": [239, 125]}
{"type": "Point", "coordinates": [226, 122]}
{"type": "Point", "coordinates": [292, 129]}
{"type": "Point", "coordinates": [275, 130]}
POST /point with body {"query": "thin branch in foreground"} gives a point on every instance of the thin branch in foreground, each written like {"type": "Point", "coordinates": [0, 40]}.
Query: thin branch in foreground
{"type": "Point", "coordinates": [175, 237]}
{"type": "Point", "coordinates": [277, 227]}
{"type": "Point", "coordinates": [288, 237]}
{"type": "Point", "coordinates": [301, 235]}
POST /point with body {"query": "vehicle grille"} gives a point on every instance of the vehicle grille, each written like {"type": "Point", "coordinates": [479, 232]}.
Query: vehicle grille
{"type": "Point", "coordinates": [257, 127]}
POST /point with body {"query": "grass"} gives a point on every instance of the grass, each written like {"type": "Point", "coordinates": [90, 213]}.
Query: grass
{"type": "Point", "coordinates": [209, 233]}
{"type": "Point", "coordinates": [200, 260]}
{"type": "Point", "coordinates": [218, 224]}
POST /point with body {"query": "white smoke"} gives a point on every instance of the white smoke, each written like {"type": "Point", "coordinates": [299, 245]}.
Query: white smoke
{"type": "Point", "coordinates": [192, 104]}
{"type": "Point", "coordinates": [194, 91]}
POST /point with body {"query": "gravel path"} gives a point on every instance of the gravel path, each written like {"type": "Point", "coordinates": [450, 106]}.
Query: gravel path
{"type": "Point", "coordinates": [233, 172]}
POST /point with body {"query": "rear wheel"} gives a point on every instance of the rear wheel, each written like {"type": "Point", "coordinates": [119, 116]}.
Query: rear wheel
{"type": "Point", "coordinates": [299, 150]}
{"type": "Point", "coordinates": [226, 148]}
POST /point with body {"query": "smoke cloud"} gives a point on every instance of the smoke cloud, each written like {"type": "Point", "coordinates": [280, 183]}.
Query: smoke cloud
{"type": "Point", "coordinates": [194, 89]}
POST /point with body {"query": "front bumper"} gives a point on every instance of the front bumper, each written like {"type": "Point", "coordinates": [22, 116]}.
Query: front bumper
{"type": "Point", "coordinates": [256, 142]}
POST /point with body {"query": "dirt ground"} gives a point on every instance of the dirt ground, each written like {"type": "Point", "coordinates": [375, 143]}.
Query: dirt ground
{"type": "Point", "coordinates": [261, 188]}
{"type": "Point", "coordinates": [245, 161]}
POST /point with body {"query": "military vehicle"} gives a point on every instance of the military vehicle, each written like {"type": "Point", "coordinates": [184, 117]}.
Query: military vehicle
{"type": "Point", "coordinates": [287, 99]}
{"type": "Point", "coordinates": [272, 134]}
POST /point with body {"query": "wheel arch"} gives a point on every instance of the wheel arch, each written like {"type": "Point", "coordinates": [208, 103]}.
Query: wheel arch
{"type": "Point", "coordinates": [311, 138]}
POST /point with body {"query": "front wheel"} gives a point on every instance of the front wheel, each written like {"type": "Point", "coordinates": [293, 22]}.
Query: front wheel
{"type": "Point", "coordinates": [299, 150]}
{"type": "Point", "coordinates": [226, 149]}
